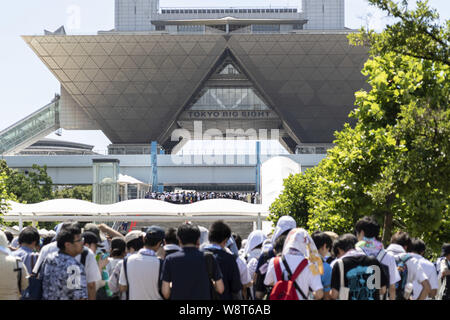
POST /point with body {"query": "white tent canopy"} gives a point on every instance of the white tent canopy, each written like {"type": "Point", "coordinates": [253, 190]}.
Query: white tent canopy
{"type": "Point", "coordinates": [124, 179]}
{"type": "Point", "coordinates": [142, 210]}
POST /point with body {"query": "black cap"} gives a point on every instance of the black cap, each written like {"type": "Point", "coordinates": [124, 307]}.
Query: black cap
{"type": "Point", "coordinates": [155, 232]}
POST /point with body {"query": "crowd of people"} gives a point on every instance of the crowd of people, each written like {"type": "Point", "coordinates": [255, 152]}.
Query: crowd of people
{"type": "Point", "coordinates": [186, 197]}
{"type": "Point", "coordinates": [191, 262]}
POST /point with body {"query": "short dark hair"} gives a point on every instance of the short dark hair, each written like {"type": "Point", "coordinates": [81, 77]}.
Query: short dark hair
{"type": "Point", "coordinates": [320, 238]}
{"type": "Point", "coordinates": [188, 233]}
{"type": "Point", "coordinates": [29, 235]}
{"type": "Point", "coordinates": [118, 246]}
{"type": "Point", "coordinates": [66, 225]}
{"type": "Point", "coordinates": [137, 244]}
{"type": "Point", "coordinates": [219, 231]}
{"type": "Point", "coordinates": [171, 236]}
{"type": "Point", "coordinates": [445, 249]}
{"type": "Point", "coordinates": [279, 243]}
{"type": "Point", "coordinates": [9, 236]}
{"type": "Point", "coordinates": [151, 242]}
{"type": "Point", "coordinates": [369, 225]}
{"type": "Point", "coordinates": [67, 235]}
{"type": "Point", "coordinates": [90, 238]}
{"type": "Point", "coordinates": [418, 246]}
{"type": "Point", "coordinates": [46, 240]}
{"type": "Point", "coordinates": [237, 238]}
{"type": "Point", "coordinates": [401, 238]}
{"type": "Point", "coordinates": [285, 233]}
{"type": "Point", "coordinates": [345, 242]}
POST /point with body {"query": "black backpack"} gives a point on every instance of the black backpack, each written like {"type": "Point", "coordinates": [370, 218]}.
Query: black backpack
{"type": "Point", "coordinates": [209, 259]}
{"type": "Point", "coordinates": [380, 256]}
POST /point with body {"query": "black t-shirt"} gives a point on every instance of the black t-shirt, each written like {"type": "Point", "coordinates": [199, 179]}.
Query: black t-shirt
{"type": "Point", "coordinates": [361, 276]}
{"type": "Point", "coordinates": [188, 273]}
{"type": "Point", "coordinates": [230, 272]}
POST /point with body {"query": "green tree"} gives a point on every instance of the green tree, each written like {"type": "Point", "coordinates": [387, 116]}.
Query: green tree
{"type": "Point", "coordinates": [416, 33]}
{"type": "Point", "coordinates": [75, 192]}
{"type": "Point", "coordinates": [31, 187]}
{"type": "Point", "coordinates": [394, 163]}
{"type": "Point", "coordinates": [294, 200]}
{"type": "Point", "coordinates": [4, 195]}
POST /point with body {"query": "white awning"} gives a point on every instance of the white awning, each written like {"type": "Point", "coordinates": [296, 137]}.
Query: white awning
{"type": "Point", "coordinates": [143, 210]}
{"type": "Point", "coordinates": [124, 179]}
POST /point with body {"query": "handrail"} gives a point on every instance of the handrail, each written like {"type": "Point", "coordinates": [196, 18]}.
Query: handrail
{"type": "Point", "coordinates": [35, 124]}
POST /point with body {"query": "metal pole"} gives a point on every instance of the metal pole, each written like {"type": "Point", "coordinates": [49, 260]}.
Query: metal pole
{"type": "Point", "coordinates": [259, 224]}
{"type": "Point", "coordinates": [258, 167]}
{"type": "Point", "coordinates": [20, 222]}
{"type": "Point", "coordinates": [154, 159]}
{"type": "Point", "coordinates": [34, 222]}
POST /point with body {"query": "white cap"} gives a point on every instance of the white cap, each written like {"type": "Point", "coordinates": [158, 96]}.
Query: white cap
{"type": "Point", "coordinates": [284, 223]}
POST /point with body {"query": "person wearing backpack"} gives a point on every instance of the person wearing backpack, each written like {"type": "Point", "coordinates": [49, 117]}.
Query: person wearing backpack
{"type": "Point", "coordinates": [408, 268]}
{"type": "Point", "coordinates": [29, 241]}
{"type": "Point", "coordinates": [355, 275]}
{"type": "Point", "coordinates": [63, 277]}
{"type": "Point", "coordinates": [296, 273]}
{"type": "Point", "coordinates": [191, 274]}
{"type": "Point", "coordinates": [252, 250]}
{"type": "Point", "coordinates": [284, 225]}
{"type": "Point", "coordinates": [86, 258]}
{"type": "Point", "coordinates": [117, 254]}
{"type": "Point", "coordinates": [218, 236]}
{"type": "Point", "coordinates": [141, 272]}
{"type": "Point", "coordinates": [417, 251]}
{"type": "Point", "coordinates": [367, 230]}
{"type": "Point", "coordinates": [134, 241]}
{"type": "Point", "coordinates": [13, 275]}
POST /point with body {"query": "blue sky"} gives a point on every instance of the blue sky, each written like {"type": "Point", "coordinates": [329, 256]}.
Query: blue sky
{"type": "Point", "coordinates": [26, 84]}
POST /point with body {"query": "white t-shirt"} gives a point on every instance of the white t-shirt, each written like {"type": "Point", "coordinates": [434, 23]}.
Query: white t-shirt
{"type": "Point", "coordinates": [91, 266]}
{"type": "Point", "coordinates": [415, 271]}
{"type": "Point", "coordinates": [243, 271]}
{"type": "Point", "coordinates": [430, 270]}
{"type": "Point", "coordinates": [252, 261]}
{"type": "Point", "coordinates": [143, 276]}
{"type": "Point", "coordinates": [394, 275]}
{"type": "Point", "coordinates": [305, 280]}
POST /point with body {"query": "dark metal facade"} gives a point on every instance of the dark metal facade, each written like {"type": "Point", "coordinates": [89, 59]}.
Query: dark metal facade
{"type": "Point", "coordinates": [136, 87]}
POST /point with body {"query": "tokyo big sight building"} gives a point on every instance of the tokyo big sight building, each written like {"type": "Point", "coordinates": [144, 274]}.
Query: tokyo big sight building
{"type": "Point", "coordinates": [162, 69]}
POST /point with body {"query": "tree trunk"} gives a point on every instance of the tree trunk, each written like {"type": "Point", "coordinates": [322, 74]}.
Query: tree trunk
{"type": "Point", "coordinates": [387, 229]}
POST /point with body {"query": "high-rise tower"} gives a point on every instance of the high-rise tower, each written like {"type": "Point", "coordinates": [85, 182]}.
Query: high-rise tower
{"type": "Point", "coordinates": [135, 15]}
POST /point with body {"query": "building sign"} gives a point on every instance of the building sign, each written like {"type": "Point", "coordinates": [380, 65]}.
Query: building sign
{"type": "Point", "coordinates": [228, 115]}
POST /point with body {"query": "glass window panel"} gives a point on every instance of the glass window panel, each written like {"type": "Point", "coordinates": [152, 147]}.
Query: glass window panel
{"type": "Point", "coordinates": [229, 99]}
